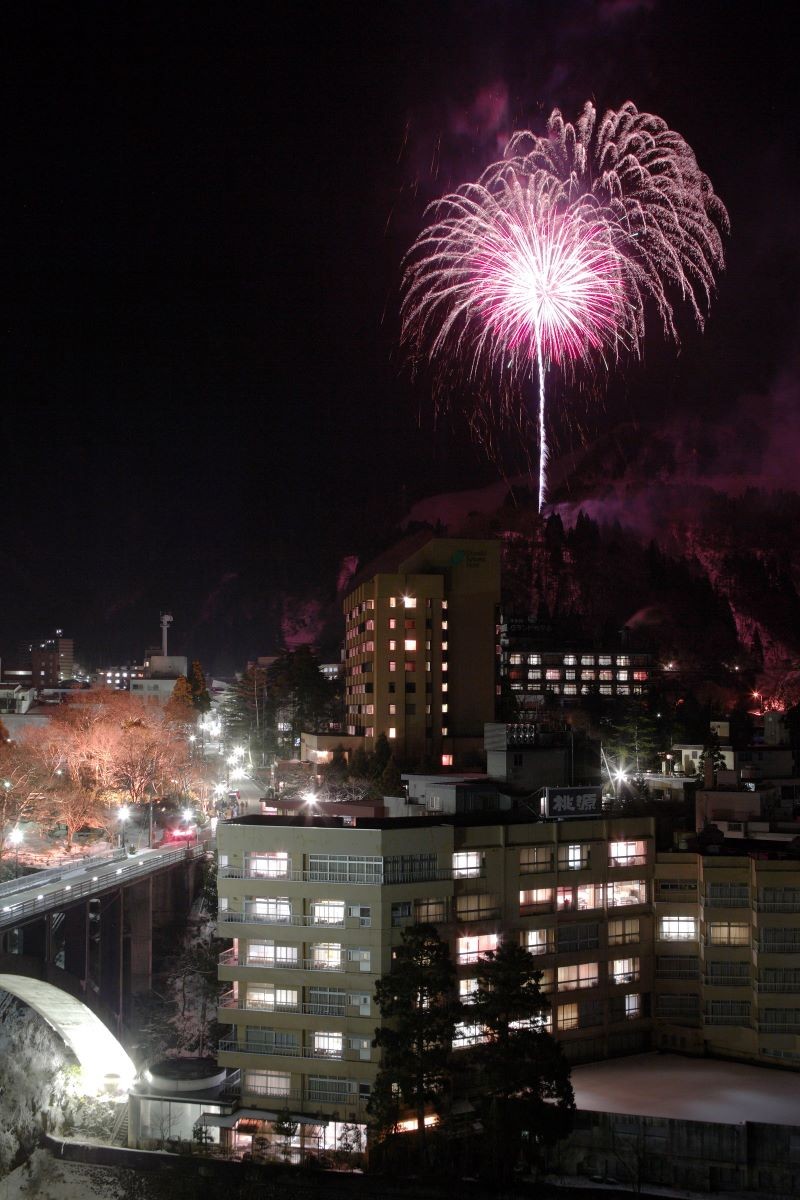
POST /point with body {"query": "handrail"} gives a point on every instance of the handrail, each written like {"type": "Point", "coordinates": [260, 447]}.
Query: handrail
{"type": "Point", "coordinates": [134, 868]}
{"type": "Point", "coordinates": [53, 874]}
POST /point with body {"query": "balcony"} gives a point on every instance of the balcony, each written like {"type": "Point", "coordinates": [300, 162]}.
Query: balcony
{"type": "Point", "coordinates": [625, 977]}
{"type": "Point", "coordinates": [777, 947]}
{"type": "Point", "coordinates": [229, 959]}
{"type": "Point", "coordinates": [787, 986]}
{"type": "Point", "coordinates": [305, 922]}
{"type": "Point", "coordinates": [727, 981]}
{"type": "Point", "coordinates": [422, 875]}
{"type": "Point", "coordinates": [777, 906]}
{"type": "Point", "coordinates": [742, 1020]}
{"type": "Point", "coordinates": [778, 1027]}
{"type": "Point", "coordinates": [341, 1055]}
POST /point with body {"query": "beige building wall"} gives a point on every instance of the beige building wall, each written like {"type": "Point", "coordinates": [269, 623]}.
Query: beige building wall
{"type": "Point", "coordinates": [420, 648]}
{"type": "Point", "coordinates": [314, 912]}
{"type": "Point", "coordinates": [728, 957]}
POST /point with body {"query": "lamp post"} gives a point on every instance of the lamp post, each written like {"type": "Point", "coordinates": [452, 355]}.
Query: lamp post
{"type": "Point", "coordinates": [15, 837]}
{"type": "Point", "coordinates": [123, 814]}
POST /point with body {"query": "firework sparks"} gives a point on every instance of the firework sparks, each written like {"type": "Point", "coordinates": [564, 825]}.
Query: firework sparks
{"type": "Point", "coordinates": [552, 255]}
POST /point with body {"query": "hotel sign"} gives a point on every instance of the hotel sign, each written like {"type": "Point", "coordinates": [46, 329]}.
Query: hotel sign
{"type": "Point", "coordinates": [573, 801]}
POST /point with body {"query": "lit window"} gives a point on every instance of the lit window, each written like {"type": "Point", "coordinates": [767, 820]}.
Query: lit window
{"type": "Point", "coordinates": [392, 644]}
{"type": "Point", "coordinates": [410, 601]}
{"type": "Point", "coordinates": [626, 891]}
{"type": "Point", "coordinates": [466, 864]}
{"type": "Point", "coordinates": [444, 731]}
{"type": "Point", "coordinates": [568, 1016]}
{"type": "Point", "coordinates": [444, 708]}
{"type": "Point", "coordinates": [515, 659]}
{"type": "Point", "coordinates": [393, 622]}
{"type": "Point", "coordinates": [447, 760]}
{"type": "Point", "coordinates": [620, 932]}
{"type": "Point", "coordinates": [533, 897]}
{"type": "Point", "coordinates": [729, 933]}
{"type": "Point", "coordinates": [392, 732]}
{"type": "Point", "coordinates": [580, 975]}
{"type": "Point", "coordinates": [411, 643]}
{"type": "Point", "coordinates": [623, 970]}
{"type": "Point", "coordinates": [392, 665]}
{"type": "Point", "coordinates": [536, 941]}
{"type": "Point", "coordinates": [677, 929]}
{"type": "Point", "coordinates": [392, 710]}
{"type": "Point", "coordinates": [471, 949]}
{"type": "Point", "coordinates": [627, 854]}
{"type": "Point", "coordinates": [466, 990]}
{"type": "Point", "coordinates": [444, 686]}
{"type": "Point", "coordinates": [392, 602]}
{"type": "Point", "coordinates": [633, 1005]}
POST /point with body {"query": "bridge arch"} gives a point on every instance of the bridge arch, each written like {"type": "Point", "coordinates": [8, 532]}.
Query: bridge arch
{"type": "Point", "coordinates": [100, 1055]}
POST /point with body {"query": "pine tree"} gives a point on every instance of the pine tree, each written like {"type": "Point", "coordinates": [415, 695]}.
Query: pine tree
{"type": "Point", "coordinates": [523, 1082]}
{"type": "Point", "coordinates": [390, 782]}
{"type": "Point", "coordinates": [197, 682]}
{"type": "Point", "coordinates": [416, 1003]}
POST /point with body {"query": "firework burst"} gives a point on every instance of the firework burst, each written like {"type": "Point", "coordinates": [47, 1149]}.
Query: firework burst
{"type": "Point", "coordinates": [551, 257]}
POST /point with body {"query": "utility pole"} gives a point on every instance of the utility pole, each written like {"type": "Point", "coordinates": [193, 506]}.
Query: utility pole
{"type": "Point", "coordinates": [166, 621]}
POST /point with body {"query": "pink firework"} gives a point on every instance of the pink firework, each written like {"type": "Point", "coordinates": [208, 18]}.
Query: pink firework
{"type": "Point", "coordinates": [552, 255]}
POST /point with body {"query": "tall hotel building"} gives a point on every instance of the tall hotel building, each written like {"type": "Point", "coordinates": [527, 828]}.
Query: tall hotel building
{"type": "Point", "coordinates": [420, 648]}
{"type": "Point", "coordinates": [314, 908]}
{"type": "Point", "coordinates": [638, 949]}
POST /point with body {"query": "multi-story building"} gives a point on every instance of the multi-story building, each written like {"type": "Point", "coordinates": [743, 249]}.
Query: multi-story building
{"type": "Point", "coordinates": [420, 648]}
{"type": "Point", "coordinates": [727, 946]}
{"type": "Point", "coordinates": [314, 908]}
{"type": "Point", "coordinates": [52, 661]}
{"type": "Point", "coordinates": [535, 664]}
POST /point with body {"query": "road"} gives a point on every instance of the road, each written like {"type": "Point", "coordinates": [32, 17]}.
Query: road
{"type": "Point", "coordinates": [46, 890]}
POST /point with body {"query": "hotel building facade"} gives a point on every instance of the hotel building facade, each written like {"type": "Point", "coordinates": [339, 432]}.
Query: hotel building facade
{"type": "Point", "coordinates": [420, 649]}
{"type": "Point", "coordinates": [638, 950]}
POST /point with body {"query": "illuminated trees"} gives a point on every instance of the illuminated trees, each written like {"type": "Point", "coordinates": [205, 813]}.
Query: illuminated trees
{"type": "Point", "coordinates": [99, 749]}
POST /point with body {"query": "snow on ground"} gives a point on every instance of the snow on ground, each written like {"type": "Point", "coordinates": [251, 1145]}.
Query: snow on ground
{"type": "Point", "coordinates": [689, 1089]}
{"type": "Point", "coordinates": [43, 1177]}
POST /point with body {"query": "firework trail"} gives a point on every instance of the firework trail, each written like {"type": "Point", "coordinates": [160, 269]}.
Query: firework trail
{"type": "Point", "coordinates": [550, 258]}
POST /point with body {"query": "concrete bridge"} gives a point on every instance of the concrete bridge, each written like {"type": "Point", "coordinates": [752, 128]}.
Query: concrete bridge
{"type": "Point", "coordinates": [88, 930]}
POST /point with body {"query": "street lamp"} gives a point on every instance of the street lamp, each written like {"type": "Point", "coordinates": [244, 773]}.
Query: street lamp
{"type": "Point", "coordinates": [15, 837]}
{"type": "Point", "coordinates": [123, 814]}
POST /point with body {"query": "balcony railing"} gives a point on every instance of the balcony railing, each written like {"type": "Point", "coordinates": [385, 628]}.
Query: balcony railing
{"type": "Point", "coordinates": [625, 977]}
{"type": "Point", "coordinates": [777, 906]}
{"type": "Point", "coordinates": [343, 1054]}
{"type": "Point", "coordinates": [742, 1020]}
{"type": "Point", "coordinates": [778, 1027]}
{"type": "Point", "coordinates": [726, 901]}
{"type": "Point", "coordinates": [677, 973]}
{"type": "Point", "coordinates": [634, 860]}
{"type": "Point", "coordinates": [263, 918]}
{"type": "Point", "coordinates": [777, 947]}
{"type": "Point", "coordinates": [229, 959]}
{"type": "Point", "coordinates": [422, 875]}
{"type": "Point", "coordinates": [233, 1003]}
{"type": "Point", "coordinates": [727, 981]}
{"type": "Point", "coordinates": [784, 986]}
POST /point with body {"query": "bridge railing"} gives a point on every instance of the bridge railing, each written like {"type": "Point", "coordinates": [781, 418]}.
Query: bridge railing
{"type": "Point", "coordinates": [134, 868]}
{"type": "Point", "coordinates": [53, 874]}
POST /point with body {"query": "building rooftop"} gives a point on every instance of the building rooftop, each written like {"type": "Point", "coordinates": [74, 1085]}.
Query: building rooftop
{"type": "Point", "coordinates": [489, 818]}
{"type": "Point", "coordinates": [689, 1089]}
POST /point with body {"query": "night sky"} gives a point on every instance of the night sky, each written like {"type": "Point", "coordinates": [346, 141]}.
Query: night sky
{"type": "Point", "coordinates": [206, 210]}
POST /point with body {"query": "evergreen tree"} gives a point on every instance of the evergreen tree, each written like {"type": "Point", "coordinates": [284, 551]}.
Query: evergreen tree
{"type": "Point", "coordinates": [523, 1082]}
{"type": "Point", "coordinates": [380, 756]}
{"type": "Point", "coordinates": [712, 753]}
{"type": "Point", "coordinates": [416, 1004]}
{"type": "Point", "coordinates": [359, 764]}
{"type": "Point", "coordinates": [390, 782]}
{"type": "Point", "coordinates": [200, 695]}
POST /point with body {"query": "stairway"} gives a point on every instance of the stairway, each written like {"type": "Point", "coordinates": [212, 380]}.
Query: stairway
{"type": "Point", "coordinates": [119, 1133]}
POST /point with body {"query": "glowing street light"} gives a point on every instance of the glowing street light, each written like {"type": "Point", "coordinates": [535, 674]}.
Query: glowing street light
{"type": "Point", "coordinates": [187, 815]}
{"type": "Point", "coordinates": [124, 815]}
{"type": "Point", "coordinates": [15, 838]}
{"type": "Point", "coordinates": [310, 799]}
